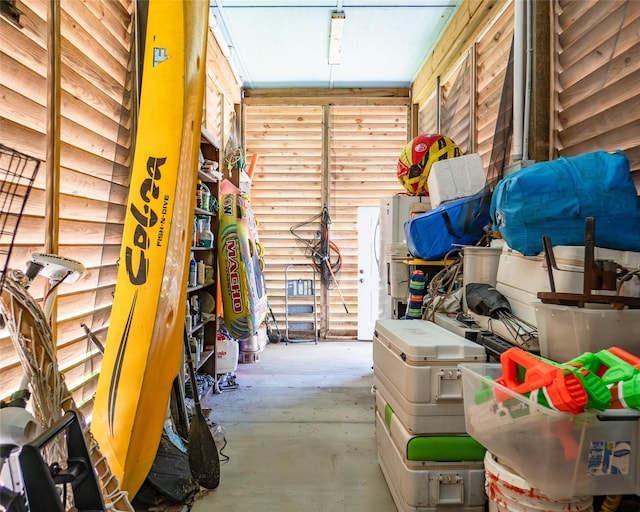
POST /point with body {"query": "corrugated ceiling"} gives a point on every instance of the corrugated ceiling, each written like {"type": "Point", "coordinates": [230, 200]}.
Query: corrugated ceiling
{"type": "Point", "coordinates": [285, 43]}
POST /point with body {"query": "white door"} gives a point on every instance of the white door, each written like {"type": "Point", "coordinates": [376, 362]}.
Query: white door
{"type": "Point", "coordinates": [368, 274]}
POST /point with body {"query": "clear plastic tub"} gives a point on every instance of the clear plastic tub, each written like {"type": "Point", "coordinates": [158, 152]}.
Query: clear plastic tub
{"type": "Point", "coordinates": [566, 332]}
{"type": "Point", "coordinates": [560, 454]}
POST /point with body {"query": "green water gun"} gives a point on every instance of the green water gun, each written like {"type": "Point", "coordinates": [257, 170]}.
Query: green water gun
{"type": "Point", "coordinates": [618, 373]}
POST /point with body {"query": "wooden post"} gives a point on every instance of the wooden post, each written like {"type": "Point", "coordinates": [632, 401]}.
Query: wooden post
{"type": "Point", "coordinates": [540, 121]}
{"type": "Point", "coordinates": [52, 203]}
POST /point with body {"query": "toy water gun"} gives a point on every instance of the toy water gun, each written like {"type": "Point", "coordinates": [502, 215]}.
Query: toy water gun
{"type": "Point", "coordinates": [625, 356]}
{"type": "Point", "coordinates": [598, 393]}
{"type": "Point", "coordinates": [617, 369]}
{"type": "Point", "coordinates": [525, 373]}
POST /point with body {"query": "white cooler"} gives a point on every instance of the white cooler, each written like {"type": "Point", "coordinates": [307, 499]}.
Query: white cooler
{"type": "Point", "coordinates": [429, 486]}
{"type": "Point", "coordinates": [440, 447]}
{"type": "Point", "coordinates": [416, 368]}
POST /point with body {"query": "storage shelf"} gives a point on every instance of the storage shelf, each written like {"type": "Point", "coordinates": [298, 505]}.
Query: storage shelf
{"type": "Point", "coordinates": [201, 211]}
{"type": "Point", "coordinates": [208, 138]}
{"type": "Point", "coordinates": [206, 328]}
{"type": "Point", "coordinates": [204, 355]}
{"type": "Point", "coordinates": [199, 286]}
{"type": "Point", "coordinates": [418, 261]}
{"type": "Point", "coordinates": [201, 324]}
{"type": "Point", "coordinates": [214, 176]}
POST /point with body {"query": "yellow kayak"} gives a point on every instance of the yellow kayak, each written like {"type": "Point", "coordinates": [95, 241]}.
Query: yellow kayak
{"type": "Point", "coordinates": [144, 342]}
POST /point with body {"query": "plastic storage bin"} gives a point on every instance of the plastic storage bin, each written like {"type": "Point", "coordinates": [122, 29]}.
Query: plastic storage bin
{"type": "Point", "coordinates": [521, 277]}
{"type": "Point", "coordinates": [566, 332]}
{"type": "Point", "coordinates": [560, 454]}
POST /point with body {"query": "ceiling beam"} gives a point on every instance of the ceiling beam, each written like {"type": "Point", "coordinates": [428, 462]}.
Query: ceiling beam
{"type": "Point", "coordinates": [320, 96]}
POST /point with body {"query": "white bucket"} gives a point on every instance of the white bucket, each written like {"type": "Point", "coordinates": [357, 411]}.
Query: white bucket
{"type": "Point", "coordinates": [227, 356]}
{"type": "Point", "coordinates": [509, 492]}
{"type": "Point", "coordinates": [479, 265]}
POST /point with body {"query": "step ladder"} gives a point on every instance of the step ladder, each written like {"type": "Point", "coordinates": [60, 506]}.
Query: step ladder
{"type": "Point", "coordinates": [301, 303]}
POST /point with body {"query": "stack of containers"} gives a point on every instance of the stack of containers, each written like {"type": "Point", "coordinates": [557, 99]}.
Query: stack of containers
{"type": "Point", "coordinates": [429, 461]}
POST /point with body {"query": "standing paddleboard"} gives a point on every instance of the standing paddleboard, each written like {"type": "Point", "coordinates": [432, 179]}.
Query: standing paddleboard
{"type": "Point", "coordinates": [144, 345]}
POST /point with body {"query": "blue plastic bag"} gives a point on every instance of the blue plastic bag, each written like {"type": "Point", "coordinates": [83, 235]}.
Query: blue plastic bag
{"type": "Point", "coordinates": [431, 235]}
{"type": "Point", "coordinates": [554, 198]}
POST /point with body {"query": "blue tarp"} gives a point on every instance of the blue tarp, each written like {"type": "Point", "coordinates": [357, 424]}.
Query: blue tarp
{"type": "Point", "coordinates": [554, 198]}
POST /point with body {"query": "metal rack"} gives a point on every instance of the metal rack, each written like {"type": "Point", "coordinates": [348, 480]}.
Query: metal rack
{"type": "Point", "coordinates": [17, 174]}
{"type": "Point", "coordinates": [300, 303]}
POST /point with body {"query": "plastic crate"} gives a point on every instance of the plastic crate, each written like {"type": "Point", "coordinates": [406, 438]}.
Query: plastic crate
{"type": "Point", "coordinates": [566, 332]}
{"type": "Point", "coordinates": [560, 454]}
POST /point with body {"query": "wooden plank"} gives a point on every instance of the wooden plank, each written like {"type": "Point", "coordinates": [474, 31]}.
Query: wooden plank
{"type": "Point", "coordinates": [576, 110]}
{"type": "Point", "coordinates": [493, 57]}
{"type": "Point", "coordinates": [114, 16]}
{"type": "Point", "coordinates": [427, 115]}
{"type": "Point", "coordinates": [219, 68]}
{"type": "Point", "coordinates": [79, 47]}
{"type": "Point", "coordinates": [619, 135]}
{"type": "Point", "coordinates": [32, 143]}
{"type": "Point", "coordinates": [11, 373]}
{"type": "Point", "coordinates": [470, 19]}
{"type": "Point", "coordinates": [608, 59]}
{"type": "Point", "coordinates": [74, 305]}
{"type": "Point", "coordinates": [358, 93]}
{"type": "Point", "coordinates": [77, 232]}
{"type": "Point", "coordinates": [621, 69]}
{"type": "Point", "coordinates": [571, 10]}
{"type": "Point", "coordinates": [92, 115]}
{"type": "Point", "coordinates": [596, 22]}
{"type": "Point", "coordinates": [599, 65]}
{"type": "Point", "coordinates": [95, 154]}
{"type": "Point", "coordinates": [327, 100]}
{"type": "Point", "coordinates": [358, 180]}
{"type": "Point", "coordinates": [32, 51]}
{"type": "Point", "coordinates": [87, 27]}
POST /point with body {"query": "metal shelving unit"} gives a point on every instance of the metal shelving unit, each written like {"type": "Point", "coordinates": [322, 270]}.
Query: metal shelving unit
{"type": "Point", "coordinates": [300, 303]}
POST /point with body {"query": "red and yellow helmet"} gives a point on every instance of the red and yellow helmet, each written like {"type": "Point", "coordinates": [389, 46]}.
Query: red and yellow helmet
{"type": "Point", "coordinates": [418, 156]}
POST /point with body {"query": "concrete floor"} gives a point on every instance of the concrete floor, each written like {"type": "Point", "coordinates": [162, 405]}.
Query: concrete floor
{"type": "Point", "coordinates": [300, 432]}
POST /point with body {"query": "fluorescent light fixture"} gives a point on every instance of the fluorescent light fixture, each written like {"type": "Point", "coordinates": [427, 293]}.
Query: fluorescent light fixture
{"type": "Point", "coordinates": [335, 37]}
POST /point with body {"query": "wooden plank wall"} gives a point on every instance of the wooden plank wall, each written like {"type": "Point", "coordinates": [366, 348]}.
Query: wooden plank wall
{"type": "Point", "coordinates": [96, 149]}
{"type": "Point", "coordinates": [455, 105]}
{"type": "Point", "coordinates": [492, 55]}
{"type": "Point", "coordinates": [597, 77]}
{"type": "Point", "coordinates": [428, 116]}
{"type": "Point", "coordinates": [470, 91]}
{"type": "Point", "coordinates": [290, 182]}
{"type": "Point", "coordinates": [95, 136]}
{"type": "Point", "coordinates": [365, 143]}
{"type": "Point", "coordinates": [286, 189]}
